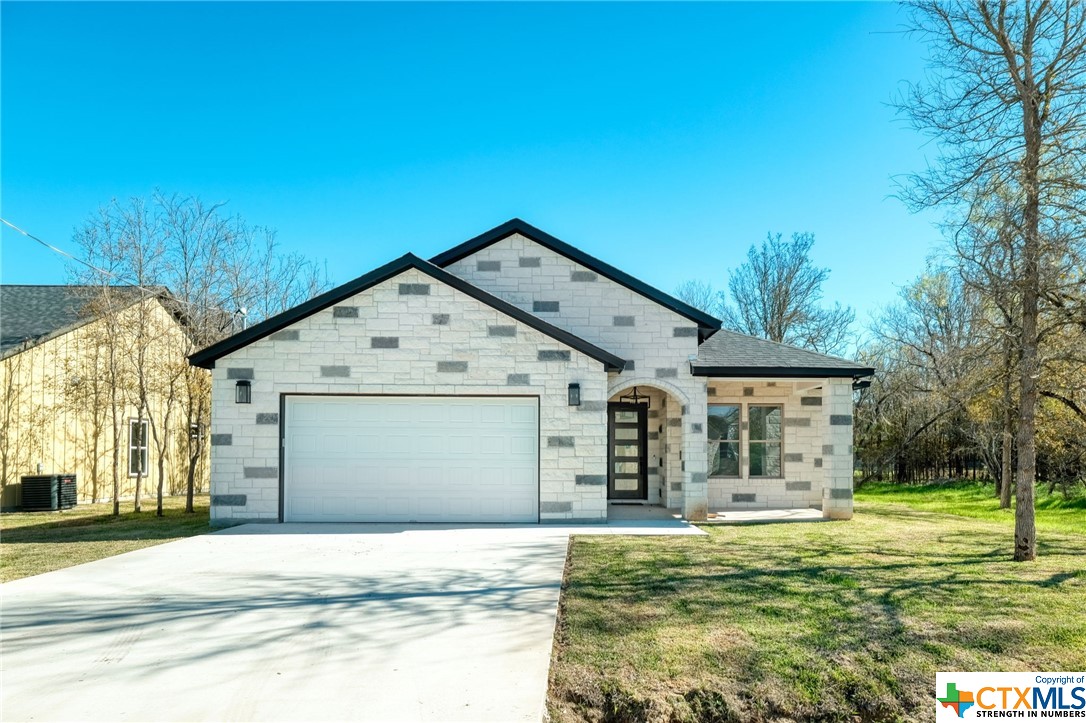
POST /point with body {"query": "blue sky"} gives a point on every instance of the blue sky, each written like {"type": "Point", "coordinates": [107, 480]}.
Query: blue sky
{"type": "Point", "coordinates": [662, 138]}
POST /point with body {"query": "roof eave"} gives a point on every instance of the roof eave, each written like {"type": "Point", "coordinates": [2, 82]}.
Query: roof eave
{"type": "Point", "coordinates": [781, 372]}
{"type": "Point", "coordinates": [707, 324]}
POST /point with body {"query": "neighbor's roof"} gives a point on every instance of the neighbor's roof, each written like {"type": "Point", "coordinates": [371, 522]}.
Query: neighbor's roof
{"type": "Point", "coordinates": [707, 325]}
{"type": "Point", "coordinates": [206, 357]}
{"type": "Point", "coordinates": [30, 315]}
{"type": "Point", "coordinates": [731, 354]}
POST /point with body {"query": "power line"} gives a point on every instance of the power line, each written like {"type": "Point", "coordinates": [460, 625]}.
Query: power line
{"type": "Point", "coordinates": [91, 266]}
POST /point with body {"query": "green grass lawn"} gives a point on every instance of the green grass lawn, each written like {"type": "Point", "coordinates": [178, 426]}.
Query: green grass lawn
{"type": "Point", "coordinates": [973, 499]}
{"type": "Point", "coordinates": [35, 542]}
{"type": "Point", "coordinates": [828, 621]}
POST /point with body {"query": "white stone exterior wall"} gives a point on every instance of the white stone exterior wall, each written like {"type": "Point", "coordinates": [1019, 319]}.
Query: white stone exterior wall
{"type": "Point", "coordinates": [436, 333]}
{"type": "Point", "coordinates": [816, 446]}
{"type": "Point", "coordinates": [658, 342]}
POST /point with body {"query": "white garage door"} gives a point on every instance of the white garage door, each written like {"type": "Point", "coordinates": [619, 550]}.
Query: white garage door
{"type": "Point", "coordinates": [411, 459]}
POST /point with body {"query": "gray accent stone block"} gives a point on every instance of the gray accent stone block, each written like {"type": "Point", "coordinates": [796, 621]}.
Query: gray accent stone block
{"type": "Point", "coordinates": [560, 442]}
{"type": "Point", "coordinates": [654, 435]}
{"type": "Point", "coordinates": [699, 477]}
{"type": "Point", "coordinates": [384, 342]}
{"type": "Point", "coordinates": [545, 307]}
{"type": "Point", "coordinates": [771, 384]}
{"type": "Point", "coordinates": [488, 265]}
{"type": "Point", "coordinates": [335, 371]}
{"type": "Point", "coordinates": [530, 262]}
{"type": "Point", "coordinates": [676, 486]}
{"type": "Point", "coordinates": [228, 500]}
{"type": "Point", "coordinates": [222, 440]}
{"type": "Point", "coordinates": [654, 414]}
{"type": "Point", "coordinates": [685, 331]}
{"type": "Point", "coordinates": [452, 366]}
{"type": "Point", "coordinates": [591, 480]}
{"type": "Point", "coordinates": [810, 401]}
{"type": "Point", "coordinates": [261, 473]}
{"type": "Point", "coordinates": [797, 486]}
{"type": "Point", "coordinates": [674, 422]}
{"type": "Point", "coordinates": [817, 461]}
{"type": "Point", "coordinates": [267, 418]}
{"type": "Point", "coordinates": [582, 276]}
{"type": "Point", "coordinates": [793, 456]}
{"type": "Point", "coordinates": [592, 407]}
{"type": "Point", "coordinates": [696, 427]}
{"type": "Point", "coordinates": [835, 493]}
{"type": "Point", "coordinates": [518, 380]}
{"type": "Point", "coordinates": [711, 391]}
{"type": "Point", "coordinates": [684, 410]}
{"type": "Point", "coordinates": [744, 497]}
{"type": "Point", "coordinates": [629, 366]}
{"type": "Point", "coordinates": [440, 319]}
{"type": "Point", "coordinates": [501, 331]}
{"type": "Point", "coordinates": [748, 391]}
{"type": "Point", "coordinates": [239, 373]}
{"type": "Point", "coordinates": [345, 312]}
{"type": "Point", "coordinates": [285, 335]}
{"type": "Point", "coordinates": [667, 373]}
{"type": "Point", "coordinates": [827, 449]}
{"type": "Point", "coordinates": [555, 506]}
{"type": "Point", "coordinates": [622, 321]}
{"type": "Point", "coordinates": [797, 421]}
{"type": "Point", "coordinates": [840, 419]}
{"type": "Point", "coordinates": [414, 289]}
{"type": "Point", "coordinates": [552, 355]}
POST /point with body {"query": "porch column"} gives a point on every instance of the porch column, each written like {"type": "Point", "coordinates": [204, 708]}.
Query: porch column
{"type": "Point", "coordinates": [695, 460]}
{"type": "Point", "coordinates": [837, 450]}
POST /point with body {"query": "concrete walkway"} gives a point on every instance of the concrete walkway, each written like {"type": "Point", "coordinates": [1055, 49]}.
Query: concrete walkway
{"type": "Point", "coordinates": [296, 622]}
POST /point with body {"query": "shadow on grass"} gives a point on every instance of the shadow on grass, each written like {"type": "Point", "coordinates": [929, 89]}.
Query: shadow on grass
{"type": "Point", "coordinates": [144, 525]}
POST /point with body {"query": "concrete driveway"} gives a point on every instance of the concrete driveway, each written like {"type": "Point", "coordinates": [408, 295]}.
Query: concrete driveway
{"type": "Point", "coordinates": [296, 622]}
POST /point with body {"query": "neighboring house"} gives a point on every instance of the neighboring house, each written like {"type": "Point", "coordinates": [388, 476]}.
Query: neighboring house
{"type": "Point", "coordinates": [66, 366]}
{"type": "Point", "coordinates": [515, 378]}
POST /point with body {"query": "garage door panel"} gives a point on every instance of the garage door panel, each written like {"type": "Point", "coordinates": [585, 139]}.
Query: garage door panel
{"type": "Point", "coordinates": [425, 459]}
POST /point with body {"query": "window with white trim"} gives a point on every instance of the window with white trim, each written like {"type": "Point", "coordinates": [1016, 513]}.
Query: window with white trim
{"type": "Point", "coordinates": [137, 447]}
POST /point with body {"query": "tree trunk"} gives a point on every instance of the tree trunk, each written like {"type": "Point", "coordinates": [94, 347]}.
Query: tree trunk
{"type": "Point", "coordinates": [1025, 532]}
{"type": "Point", "coordinates": [1008, 435]}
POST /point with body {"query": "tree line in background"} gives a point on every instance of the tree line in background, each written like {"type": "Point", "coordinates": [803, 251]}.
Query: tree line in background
{"type": "Point", "coordinates": [982, 361]}
{"type": "Point", "coordinates": [214, 273]}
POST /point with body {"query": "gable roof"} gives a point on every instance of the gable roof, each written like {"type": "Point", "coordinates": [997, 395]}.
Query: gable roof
{"type": "Point", "coordinates": [31, 315]}
{"type": "Point", "coordinates": [707, 325]}
{"type": "Point", "coordinates": [731, 354]}
{"type": "Point", "coordinates": [206, 357]}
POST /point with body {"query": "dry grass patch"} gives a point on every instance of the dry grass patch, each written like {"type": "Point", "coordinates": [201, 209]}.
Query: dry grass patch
{"type": "Point", "coordinates": [827, 622]}
{"type": "Point", "coordinates": [35, 542]}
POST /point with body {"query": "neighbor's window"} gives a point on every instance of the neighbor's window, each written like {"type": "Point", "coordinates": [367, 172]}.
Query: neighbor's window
{"type": "Point", "coordinates": [137, 447]}
{"type": "Point", "coordinates": [764, 442]}
{"type": "Point", "coordinates": [724, 440]}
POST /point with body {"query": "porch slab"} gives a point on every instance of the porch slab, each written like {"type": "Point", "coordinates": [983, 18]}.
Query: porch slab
{"type": "Point", "coordinates": [735, 517]}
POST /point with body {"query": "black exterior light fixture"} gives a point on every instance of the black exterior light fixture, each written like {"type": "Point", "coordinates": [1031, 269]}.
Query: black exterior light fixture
{"type": "Point", "coordinates": [574, 395]}
{"type": "Point", "coordinates": [243, 392]}
{"type": "Point", "coordinates": [635, 398]}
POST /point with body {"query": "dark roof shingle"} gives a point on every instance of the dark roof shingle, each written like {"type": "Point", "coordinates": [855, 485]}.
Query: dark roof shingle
{"type": "Point", "coordinates": [729, 353]}
{"type": "Point", "coordinates": [31, 314]}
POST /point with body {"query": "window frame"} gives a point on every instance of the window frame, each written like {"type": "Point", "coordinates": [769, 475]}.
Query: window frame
{"type": "Point", "coordinates": [779, 442]}
{"type": "Point", "coordinates": [144, 449]}
{"type": "Point", "coordinates": [738, 441]}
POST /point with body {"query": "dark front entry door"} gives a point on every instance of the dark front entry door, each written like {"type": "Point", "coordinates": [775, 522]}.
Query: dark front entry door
{"type": "Point", "coordinates": [627, 451]}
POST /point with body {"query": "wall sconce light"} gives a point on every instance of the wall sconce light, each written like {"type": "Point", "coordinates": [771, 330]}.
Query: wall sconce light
{"type": "Point", "coordinates": [574, 395]}
{"type": "Point", "coordinates": [243, 392]}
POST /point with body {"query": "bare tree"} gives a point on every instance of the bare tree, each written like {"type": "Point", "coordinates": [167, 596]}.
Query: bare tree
{"type": "Point", "coordinates": [1007, 104]}
{"type": "Point", "coordinates": [699, 294]}
{"type": "Point", "coordinates": [776, 294]}
{"type": "Point", "coordinates": [205, 269]}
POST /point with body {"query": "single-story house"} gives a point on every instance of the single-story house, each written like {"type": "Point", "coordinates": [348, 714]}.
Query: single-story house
{"type": "Point", "coordinates": [68, 373]}
{"type": "Point", "coordinates": [515, 378]}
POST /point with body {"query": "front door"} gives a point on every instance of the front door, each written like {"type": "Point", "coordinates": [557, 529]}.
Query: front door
{"type": "Point", "coordinates": [627, 451]}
